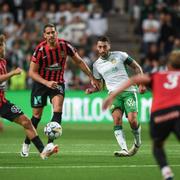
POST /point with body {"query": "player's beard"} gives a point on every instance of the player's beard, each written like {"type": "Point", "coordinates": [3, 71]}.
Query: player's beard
{"type": "Point", "coordinates": [104, 55]}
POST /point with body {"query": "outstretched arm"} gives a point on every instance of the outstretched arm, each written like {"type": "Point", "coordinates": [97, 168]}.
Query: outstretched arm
{"type": "Point", "coordinates": [138, 79]}
{"type": "Point", "coordinates": [138, 70]}
{"type": "Point", "coordinates": [5, 77]}
{"type": "Point", "coordinates": [79, 61]}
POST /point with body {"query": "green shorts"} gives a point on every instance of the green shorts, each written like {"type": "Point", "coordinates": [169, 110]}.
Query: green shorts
{"type": "Point", "coordinates": [126, 101]}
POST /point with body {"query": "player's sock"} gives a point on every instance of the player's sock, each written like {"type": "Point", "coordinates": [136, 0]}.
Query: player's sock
{"type": "Point", "coordinates": [137, 135]}
{"type": "Point", "coordinates": [57, 117]}
{"type": "Point", "coordinates": [167, 173]}
{"type": "Point", "coordinates": [118, 132]}
{"type": "Point", "coordinates": [38, 143]}
{"type": "Point", "coordinates": [35, 121]}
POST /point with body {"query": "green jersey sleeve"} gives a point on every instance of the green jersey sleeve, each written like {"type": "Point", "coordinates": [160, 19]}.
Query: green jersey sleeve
{"type": "Point", "coordinates": [129, 60]}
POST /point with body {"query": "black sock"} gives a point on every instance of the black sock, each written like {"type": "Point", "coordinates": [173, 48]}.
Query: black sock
{"type": "Point", "coordinates": [57, 117]}
{"type": "Point", "coordinates": [38, 143]}
{"type": "Point", "coordinates": [50, 140]}
{"type": "Point", "coordinates": [35, 121]}
{"type": "Point", "coordinates": [160, 156]}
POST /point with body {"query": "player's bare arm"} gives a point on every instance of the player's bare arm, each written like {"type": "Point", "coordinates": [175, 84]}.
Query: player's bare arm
{"type": "Point", "coordinates": [33, 73]}
{"type": "Point", "coordinates": [138, 70]}
{"type": "Point", "coordinates": [79, 61]}
{"type": "Point", "coordinates": [14, 72]}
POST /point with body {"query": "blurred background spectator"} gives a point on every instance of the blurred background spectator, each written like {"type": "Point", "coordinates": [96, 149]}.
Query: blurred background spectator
{"type": "Point", "coordinates": [147, 29]}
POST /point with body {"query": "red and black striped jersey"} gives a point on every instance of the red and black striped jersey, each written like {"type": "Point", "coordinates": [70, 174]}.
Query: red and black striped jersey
{"type": "Point", "coordinates": [166, 90]}
{"type": "Point", "coordinates": [51, 61]}
{"type": "Point", "coordinates": [3, 84]}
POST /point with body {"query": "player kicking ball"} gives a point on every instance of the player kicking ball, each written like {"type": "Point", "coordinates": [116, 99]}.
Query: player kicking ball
{"type": "Point", "coordinates": [110, 68]}
{"type": "Point", "coordinates": [12, 113]}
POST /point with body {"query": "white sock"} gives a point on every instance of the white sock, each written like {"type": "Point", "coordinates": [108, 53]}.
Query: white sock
{"type": "Point", "coordinates": [166, 172]}
{"type": "Point", "coordinates": [137, 136]}
{"type": "Point", "coordinates": [120, 139]}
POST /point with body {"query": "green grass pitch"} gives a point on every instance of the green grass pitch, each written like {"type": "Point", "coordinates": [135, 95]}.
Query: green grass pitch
{"type": "Point", "coordinates": [86, 153]}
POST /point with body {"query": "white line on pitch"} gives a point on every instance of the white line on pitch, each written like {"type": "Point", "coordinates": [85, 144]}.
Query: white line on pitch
{"type": "Point", "coordinates": [79, 167]}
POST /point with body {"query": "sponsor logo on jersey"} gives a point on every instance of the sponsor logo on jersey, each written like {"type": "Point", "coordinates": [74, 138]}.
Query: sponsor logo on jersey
{"type": "Point", "coordinates": [54, 67]}
{"type": "Point", "coordinates": [113, 61]}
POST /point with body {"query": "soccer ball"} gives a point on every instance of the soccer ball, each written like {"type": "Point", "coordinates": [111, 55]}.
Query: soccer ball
{"type": "Point", "coordinates": [53, 130]}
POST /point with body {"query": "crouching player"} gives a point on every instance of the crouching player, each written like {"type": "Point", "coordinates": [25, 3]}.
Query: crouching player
{"type": "Point", "coordinates": [12, 113]}
{"type": "Point", "coordinates": [165, 111]}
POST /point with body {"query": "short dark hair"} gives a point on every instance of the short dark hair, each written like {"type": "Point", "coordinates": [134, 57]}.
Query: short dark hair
{"type": "Point", "coordinates": [49, 25]}
{"type": "Point", "coordinates": [103, 39]}
{"type": "Point", "coordinates": [174, 59]}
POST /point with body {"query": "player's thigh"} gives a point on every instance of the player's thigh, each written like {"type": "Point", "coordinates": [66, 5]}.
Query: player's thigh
{"type": "Point", "coordinates": [117, 104]}
{"type": "Point", "coordinates": [10, 111]}
{"type": "Point", "coordinates": [160, 131]}
{"type": "Point", "coordinates": [57, 97]}
{"type": "Point", "coordinates": [57, 102]}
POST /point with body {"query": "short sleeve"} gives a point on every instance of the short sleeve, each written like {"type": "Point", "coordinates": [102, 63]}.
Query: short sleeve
{"type": "Point", "coordinates": [96, 73]}
{"type": "Point", "coordinates": [70, 49]}
{"type": "Point", "coordinates": [37, 55]}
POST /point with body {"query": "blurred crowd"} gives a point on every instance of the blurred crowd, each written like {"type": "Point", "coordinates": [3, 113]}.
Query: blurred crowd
{"type": "Point", "coordinates": [79, 22]}
{"type": "Point", "coordinates": [157, 22]}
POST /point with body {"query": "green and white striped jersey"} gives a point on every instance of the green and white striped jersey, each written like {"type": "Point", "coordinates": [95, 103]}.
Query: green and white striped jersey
{"type": "Point", "coordinates": [113, 70]}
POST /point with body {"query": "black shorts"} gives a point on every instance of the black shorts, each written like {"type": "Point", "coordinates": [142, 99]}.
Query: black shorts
{"type": "Point", "coordinates": [40, 93]}
{"type": "Point", "coordinates": [164, 122]}
{"type": "Point", "coordinates": [10, 111]}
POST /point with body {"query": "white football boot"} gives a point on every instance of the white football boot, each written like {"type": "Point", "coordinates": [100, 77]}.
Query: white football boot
{"type": "Point", "coordinates": [122, 153]}
{"type": "Point", "coordinates": [137, 137]}
{"type": "Point", "coordinates": [48, 150]}
{"type": "Point", "coordinates": [134, 149]}
{"type": "Point", "coordinates": [25, 150]}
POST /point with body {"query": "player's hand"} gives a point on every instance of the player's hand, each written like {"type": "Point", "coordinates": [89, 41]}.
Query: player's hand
{"type": "Point", "coordinates": [17, 71]}
{"type": "Point", "coordinates": [95, 83]}
{"type": "Point", "coordinates": [52, 84]}
{"type": "Point", "coordinates": [91, 90]}
{"type": "Point", "coordinates": [142, 89]}
{"type": "Point", "coordinates": [107, 102]}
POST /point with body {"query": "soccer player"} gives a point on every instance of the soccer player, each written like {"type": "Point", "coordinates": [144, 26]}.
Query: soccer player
{"type": "Point", "coordinates": [165, 111]}
{"type": "Point", "coordinates": [47, 71]}
{"type": "Point", "coordinates": [111, 67]}
{"type": "Point", "coordinates": [12, 113]}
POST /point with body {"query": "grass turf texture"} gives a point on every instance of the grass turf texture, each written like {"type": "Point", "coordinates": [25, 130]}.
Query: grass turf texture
{"type": "Point", "coordinates": [86, 152]}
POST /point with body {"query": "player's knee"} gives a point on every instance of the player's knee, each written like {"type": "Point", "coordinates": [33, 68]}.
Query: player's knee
{"type": "Point", "coordinates": [26, 124]}
{"type": "Point", "coordinates": [158, 144]}
{"type": "Point", "coordinates": [37, 114]}
{"type": "Point", "coordinates": [117, 120]}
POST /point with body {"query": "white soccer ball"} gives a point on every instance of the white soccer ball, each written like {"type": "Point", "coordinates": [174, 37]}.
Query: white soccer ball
{"type": "Point", "coordinates": [53, 130]}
